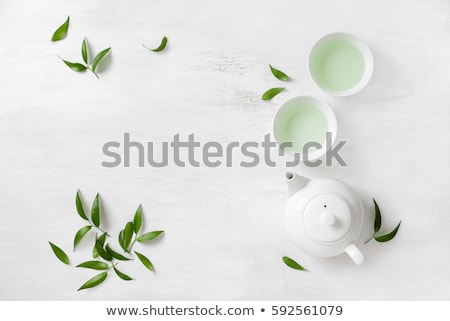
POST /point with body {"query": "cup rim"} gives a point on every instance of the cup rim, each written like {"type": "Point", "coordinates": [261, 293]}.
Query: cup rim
{"type": "Point", "coordinates": [368, 61]}
{"type": "Point", "coordinates": [327, 112]}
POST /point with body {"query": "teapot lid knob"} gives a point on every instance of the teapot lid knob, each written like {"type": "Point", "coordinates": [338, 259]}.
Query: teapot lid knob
{"type": "Point", "coordinates": [328, 218]}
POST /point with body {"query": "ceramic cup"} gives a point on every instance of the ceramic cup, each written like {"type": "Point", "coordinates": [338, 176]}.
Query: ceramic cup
{"type": "Point", "coordinates": [340, 64]}
{"type": "Point", "coordinates": [302, 120]}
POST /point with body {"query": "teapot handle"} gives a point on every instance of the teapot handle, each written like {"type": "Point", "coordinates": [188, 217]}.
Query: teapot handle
{"type": "Point", "coordinates": [354, 253]}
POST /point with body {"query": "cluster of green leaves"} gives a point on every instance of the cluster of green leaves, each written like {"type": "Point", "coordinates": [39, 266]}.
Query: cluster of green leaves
{"type": "Point", "coordinates": [272, 92]}
{"type": "Point", "coordinates": [61, 33]}
{"type": "Point", "coordinates": [133, 229]}
{"type": "Point", "coordinates": [91, 66]}
{"type": "Point", "coordinates": [377, 226]}
{"type": "Point", "coordinates": [104, 257]}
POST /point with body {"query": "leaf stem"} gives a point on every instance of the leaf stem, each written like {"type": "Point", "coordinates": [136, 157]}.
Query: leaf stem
{"type": "Point", "coordinates": [101, 230]}
{"type": "Point", "coordinates": [369, 239]}
{"type": "Point", "coordinates": [132, 243]}
{"type": "Point", "coordinates": [98, 228]}
{"type": "Point", "coordinates": [112, 266]}
{"type": "Point", "coordinates": [90, 69]}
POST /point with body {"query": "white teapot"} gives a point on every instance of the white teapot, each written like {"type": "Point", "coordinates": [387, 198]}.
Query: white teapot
{"type": "Point", "coordinates": [325, 217]}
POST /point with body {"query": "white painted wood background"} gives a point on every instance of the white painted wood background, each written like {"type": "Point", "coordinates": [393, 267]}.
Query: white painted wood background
{"type": "Point", "coordinates": [224, 235]}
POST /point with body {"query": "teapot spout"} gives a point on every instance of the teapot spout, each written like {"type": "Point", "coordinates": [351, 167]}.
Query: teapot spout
{"type": "Point", "coordinates": [295, 182]}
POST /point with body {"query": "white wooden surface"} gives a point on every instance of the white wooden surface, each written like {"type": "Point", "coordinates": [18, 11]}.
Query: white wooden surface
{"type": "Point", "coordinates": [224, 235]}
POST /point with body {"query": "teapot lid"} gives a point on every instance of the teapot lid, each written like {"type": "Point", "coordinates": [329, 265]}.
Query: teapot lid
{"type": "Point", "coordinates": [327, 217]}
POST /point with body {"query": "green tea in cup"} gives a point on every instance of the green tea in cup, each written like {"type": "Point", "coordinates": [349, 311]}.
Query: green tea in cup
{"type": "Point", "coordinates": [303, 120]}
{"type": "Point", "coordinates": [341, 64]}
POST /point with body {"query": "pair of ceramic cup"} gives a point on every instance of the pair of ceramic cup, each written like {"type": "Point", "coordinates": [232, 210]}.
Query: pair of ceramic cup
{"type": "Point", "coordinates": [341, 65]}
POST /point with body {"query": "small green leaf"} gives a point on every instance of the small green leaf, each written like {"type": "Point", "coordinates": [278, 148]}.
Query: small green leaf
{"type": "Point", "coordinates": [292, 264]}
{"type": "Point", "coordinates": [279, 74]}
{"type": "Point", "coordinates": [79, 205]}
{"type": "Point", "coordinates": [84, 50]}
{"type": "Point", "coordinates": [75, 66]}
{"type": "Point", "coordinates": [137, 221]}
{"type": "Point", "coordinates": [127, 235]}
{"type": "Point", "coordinates": [389, 236]}
{"type": "Point", "coordinates": [98, 59]}
{"type": "Point", "coordinates": [272, 92]}
{"type": "Point", "coordinates": [149, 236]}
{"type": "Point", "coordinates": [121, 275]}
{"type": "Point", "coordinates": [161, 47]}
{"type": "Point", "coordinates": [100, 240]}
{"type": "Point", "coordinates": [94, 251]}
{"type": "Point", "coordinates": [96, 280]}
{"type": "Point", "coordinates": [145, 261]}
{"type": "Point", "coordinates": [102, 252]}
{"type": "Point", "coordinates": [80, 234]}
{"type": "Point", "coordinates": [121, 241]}
{"type": "Point", "coordinates": [95, 265]}
{"type": "Point", "coordinates": [116, 255]}
{"type": "Point", "coordinates": [61, 32]}
{"type": "Point", "coordinates": [95, 211]}
{"type": "Point", "coordinates": [60, 254]}
{"type": "Point", "coordinates": [377, 224]}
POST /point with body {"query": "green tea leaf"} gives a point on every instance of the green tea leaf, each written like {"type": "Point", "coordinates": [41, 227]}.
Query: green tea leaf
{"type": "Point", "coordinates": [279, 74]}
{"type": "Point", "coordinates": [389, 236]}
{"type": "Point", "coordinates": [96, 280]}
{"type": "Point", "coordinates": [79, 205]}
{"type": "Point", "coordinates": [99, 58]}
{"type": "Point", "coordinates": [292, 264]}
{"type": "Point", "coordinates": [137, 221]}
{"type": "Point", "coordinates": [145, 261]}
{"type": "Point", "coordinates": [75, 66]}
{"type": "Point", "coordinates": [94, 250]}
{"type": "Point", "coordinates": [84, 50]}
{"type": "Point", "coordinates": [80, 234]}
{"type": "Point", "coordinates": [377, 224]}
{"type": "Point", "coordinates": [122, 245]}
{"type": "Point", "coordinates": [127, 235]}
{"type": "Point", "coordinates": [61, 32]}
{"type": "Point", "coordinates": [102, 252]}
{"type": "Point", "coordinates": [121, 275]}
{"type": "Point", "coordinates": [272, 92]}
{"type": "Point", "coordinates": [100, 240]}
{"type": "Point", "coordinates": [161, 47]}
{"type": "Point", "coordinates": [95, 265]}
{"type": "Point", "coordinates": [149, 236]}
{"type": "Point", "coordinates": [116, 255]}
{"type": "Point", "coordinates": [95, 211]}
{"type": "Point", "coordinates": [60, 254]}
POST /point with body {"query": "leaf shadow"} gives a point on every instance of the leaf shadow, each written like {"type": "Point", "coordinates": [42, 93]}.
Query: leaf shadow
{"type": "Point", "coordinates": [90, 56]}
{"type": "Point", "coordinates": [105, 64]}
{"type": "Point", "coordinates": [104, 219]}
